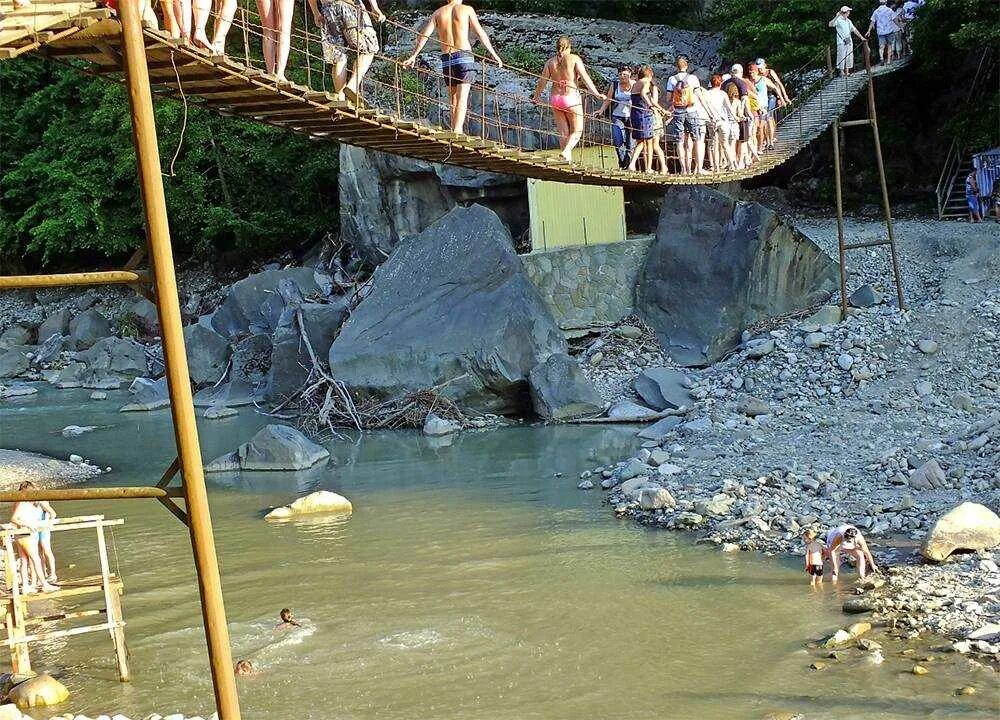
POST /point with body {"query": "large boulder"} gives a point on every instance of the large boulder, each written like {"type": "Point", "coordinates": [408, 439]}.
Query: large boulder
{"type": "Point", "coordinates": [274, 447]}
{"type": "Point", "coordinates": [55, 323]}
{"type": "Point", "coordinates": [452, 309]}
{"type": "Point", "coordinates": [145, 316]}
{"type": "Point", "coordinates": [16, 335]}
{"type": "Point", "coordinates": [385, 199]}
{"type": "Point", "coordinates": [663, 388]}
{"type": "Point", "coordinates": [87, 328]}
{"type": "Point", "coordinates": [560, 390]}
{"type": "Point", "coordinates": [117, 355]}
{"type": "Point", "coordinates": [13, 362]}
{"type": "Point", "coordinates": [39, 691]}
{"type": "Point", "coordinates": [147, 394]}
{"type": "Point", "coordinates": [290, 361]}
{"type": "Point", "coordinates": [254, 304]}
{"type": "Point", "coordinates": [969, 526]}
{"type": "Point", "coordinates": [321, 501]}
{"type": "Point", "coordinates": [207, 353]}
{"type": "Point", "coordinates": [719, 265]}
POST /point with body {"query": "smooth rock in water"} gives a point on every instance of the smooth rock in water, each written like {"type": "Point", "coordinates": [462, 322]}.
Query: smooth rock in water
{"type": "Point", "coordinates": [274, 447]}
{"type": "Point", "coordinates": [838, 638]}
{"type": "Point", "coordinates": [730, 547]}
{"type": "Point", "coordinates": [969, 526]}
{"type": "Point", "coordinates": [322, 501]}
{"type": "Point", "coordinates": [16, 390]}
{"type": "Point", "coordinates": [656, 498]}
{"type": "Point", "coordinates": [845, 361]}
{"type": "Point", "coordinates": [98, 395]}
{"type": "Point", "coordinates": [927, 346]}
{"type": "Point", "coordinates": [453, 309]}
{"type": "Point", "coordinates": [928, 476]}
{"type": "Point", "coordinates": [254, 305]}
{"type": "Point", "coordinates": [719, 265]}
{"type": "Point", "coordinates": [55, 323]}
{"type": "Point", "coordinates": [817, 665]}
{"type": "Point", "coordinates": [435, 426]}
{"type": "Point", "coordinates": [87, 328]}
{"type": "Point", "coordinates": [875, 657]}
{"type": "Point", "coordinates": [586, 485]}
{"type": "Point", "coordinates": [752, 407]}
{"type": "Point", "coordinates": [865, 297]}
{"type": "Point", "coordinates": [923, 388]}
{"type": "Point", "coordinates": [660, 429]}
{"type": "Point", "coordinates": [967, 690]}
{"type": "Point", "coordinates": [919, 670]}
{"type": "Point", "coordinates": [217, 412]}
{"type": "Point", "coordinates": [147, 395]}
{"type": "Point", "coordinates": [761, 347]}
{"type": "Point", "coordinates": [75, 459]}
{"type": "Point", "coordinates": [76, 430]}
{"type": "Point", "coordinates": [207, 353]}
{"type": "Point", "coordinates": [663, 388]}
{"type": "Point", "coordinates": [628, 410]}
{"type": "Point", "coordinates": [815, 340]}
{"type": "Point", "coordinates": [9, 711]}
{"type": "Point", "coordinates": [857, 605]}
{"type": "Point", "coordinates": [560, 390]}
{"type": "Point", "coordinates": [962, 401]}
{"type": "Point", "coordinates": [40, 691]}
{"type": "Point", "coordinates": [13, 363]}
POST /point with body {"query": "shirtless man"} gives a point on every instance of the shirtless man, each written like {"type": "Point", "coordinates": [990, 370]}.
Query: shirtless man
{"type": "Point", "coordinates": [563, 70]}
{"type": "Point", "coordinates": [452, 22]}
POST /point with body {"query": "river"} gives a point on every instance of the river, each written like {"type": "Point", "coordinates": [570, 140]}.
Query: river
{"type": "Point", "coordinates": [473, 581]}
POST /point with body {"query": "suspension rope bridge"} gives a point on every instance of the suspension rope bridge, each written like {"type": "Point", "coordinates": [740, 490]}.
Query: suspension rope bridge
{"type": "Point", "coordinates": [508, 133]}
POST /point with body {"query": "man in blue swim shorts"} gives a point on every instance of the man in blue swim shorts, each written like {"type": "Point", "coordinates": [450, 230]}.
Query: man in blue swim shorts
{"type": "Point", "coordinates": [452, 22]}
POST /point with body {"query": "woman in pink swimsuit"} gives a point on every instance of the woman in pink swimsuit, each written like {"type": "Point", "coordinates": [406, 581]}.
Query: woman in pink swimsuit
{"type": "Point", "coordinates": [563, 71]}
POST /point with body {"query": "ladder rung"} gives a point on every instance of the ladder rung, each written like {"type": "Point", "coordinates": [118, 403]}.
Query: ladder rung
{"type": "Point", "coordinates": [870, 243]}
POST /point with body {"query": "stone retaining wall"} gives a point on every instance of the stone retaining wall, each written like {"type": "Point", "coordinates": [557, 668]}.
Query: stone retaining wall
{"type": "Point", "coordinates": [589, 285]}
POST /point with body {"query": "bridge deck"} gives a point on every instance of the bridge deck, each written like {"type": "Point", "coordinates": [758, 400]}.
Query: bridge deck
{"type": "Point", "coordinates": [224, 85]}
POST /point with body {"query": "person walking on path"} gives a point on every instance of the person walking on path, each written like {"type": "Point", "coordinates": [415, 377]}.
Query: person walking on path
{"type": "Point", "coordinates": [845, 29]}
{"type": "Point", "coordinates": [348, 22]}
{"type": "Point", "coordinates": [452, 23]}
{"type": "Point", "coordinates": [564, 70]}
{"type": "Point", "coordinates": [883, 22]}
{"type": "Point", "coordinates": [619, 98]}
{"type": "Point", "coordinates": [847, 539]}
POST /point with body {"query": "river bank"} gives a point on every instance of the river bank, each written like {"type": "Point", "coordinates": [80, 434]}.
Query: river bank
{"type": "Point", "coordinates": [886, 420]}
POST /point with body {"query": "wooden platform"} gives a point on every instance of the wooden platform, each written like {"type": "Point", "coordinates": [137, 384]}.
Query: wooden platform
{"type": "Point", "coordinates": [28, 28]}
{"type": "Point", "coordinates": [230, 88]}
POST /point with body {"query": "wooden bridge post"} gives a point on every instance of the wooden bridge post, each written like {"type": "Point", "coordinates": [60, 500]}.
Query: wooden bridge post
{"type": "Point", "coordinates": [839, 195]}
{"type": "Point", "coordinates": [112, 607]}
{"type": "Point", "coordinates": [175, 361]}
{"type": "Point", "coordinates": [15, 612]}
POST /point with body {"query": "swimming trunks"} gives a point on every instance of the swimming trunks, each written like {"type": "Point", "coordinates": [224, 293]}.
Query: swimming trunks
{"type": "Point", "coordinates": [816, 570]}
{"type": "Point", "coordinates": [566, 102]}
{"type": "Point", "coordinates": [349, 23]}
{"type": "Point", "coordinates": [458, 68]}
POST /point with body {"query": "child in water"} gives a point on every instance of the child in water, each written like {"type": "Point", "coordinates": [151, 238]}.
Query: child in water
{"type": "Point", "coordinates": [287, 621]}
{"type": "Point", "coordinates": [815, 551]}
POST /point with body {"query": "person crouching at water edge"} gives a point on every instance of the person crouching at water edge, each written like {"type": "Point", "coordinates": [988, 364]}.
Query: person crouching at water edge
{"type": "Point", "coordinates": [815, 552]}
{"type": "Point", "coordinates": [563, 71]}
{"type": "Point", "coordinates": [348, 22]}
{"type": "Point", "coordinates": [847, 539]}
{"type": "Point", "coordinates": [452, 23]}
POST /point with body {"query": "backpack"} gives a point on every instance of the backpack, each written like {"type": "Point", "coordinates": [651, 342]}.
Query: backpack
{"type": "Point", "coordinates": [682, 96]}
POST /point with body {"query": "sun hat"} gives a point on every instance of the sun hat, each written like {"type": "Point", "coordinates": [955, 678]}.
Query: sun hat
{"type": "Point", "coordinates": [759, 62]}
{"type": "Point", "coordinates": [736, 69]}
{"type": "Point", "coordinates": [845, 9]}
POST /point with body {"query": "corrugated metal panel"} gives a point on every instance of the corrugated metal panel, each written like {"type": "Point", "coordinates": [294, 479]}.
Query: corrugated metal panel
{"type": "Point", "coordinates": [564, 215]}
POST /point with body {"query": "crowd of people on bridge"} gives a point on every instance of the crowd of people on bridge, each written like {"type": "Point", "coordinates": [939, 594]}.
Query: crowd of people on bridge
{"type": "Point", "coordinates": [718, 122]}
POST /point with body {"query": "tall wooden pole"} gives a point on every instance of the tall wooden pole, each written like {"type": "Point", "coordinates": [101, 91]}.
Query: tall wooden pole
{"type": "Point", "coordinates": [839, 195]}
{"type": "Point", "coordinates": [175, 361]}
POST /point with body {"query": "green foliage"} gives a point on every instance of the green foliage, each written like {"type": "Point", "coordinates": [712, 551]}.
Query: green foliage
{"type": "Point", "coordinates": [523, 58]}
{"type": "Point", "coordinates": [666, 12]}
{"type": "Point", "coordinates": [68, 187]}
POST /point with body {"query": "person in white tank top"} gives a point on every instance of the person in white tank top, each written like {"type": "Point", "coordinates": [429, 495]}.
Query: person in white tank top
{"type": "Point", "coordinates": [848, 539]}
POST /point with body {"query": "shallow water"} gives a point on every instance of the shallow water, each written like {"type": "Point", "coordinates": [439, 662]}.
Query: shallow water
{"type": "Point", "coordinates": [469, 583]}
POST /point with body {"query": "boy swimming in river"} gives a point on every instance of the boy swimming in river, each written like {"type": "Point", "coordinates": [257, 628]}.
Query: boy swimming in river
{"type": "Point", "coordinates": [815, 550]}
{"type": "Point", "coordinates": [287, 621]}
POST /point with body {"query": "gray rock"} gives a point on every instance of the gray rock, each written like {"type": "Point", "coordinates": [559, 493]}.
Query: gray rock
{"type": "Point", "coordinates": [98, 395]}
{"type": "Point", "coordinates": [696, 426]}
{"type": "Point", "coordinates": [689, 519]}
{"type": "Point", "coordinates": [117, 355]}
{"type": "Point", "coordinates": [207, 353]}
{"type": "Point", "coordinates": [218, 412]}
{"type": "Point", "coordinates": [254, 304]}
{"type": "Point", "coordinates": [656, 499]}
{"type": "Point", "coordinates": [56, 323]}
{"type": "Point", "coordinates": [968, 526]}
{"type": "Point", "coordinates": [865, 297]}
{"type": "Point", "coordinates": [86, 328]}
{"type": "Point", "coordinates": [16, 389]}
{"type": "Point", "coordinates": [752, 407]}
{"type": "Point", "coordinates": [16, 335]}
{"type": "Point", "coordinates": [290, 361]}
{"type": "Point", "coordinates": [826, 315]}
{"type": "Point", "coordinates": [662, 388]}
{"type": "Point", "coordinates": [923, 388]}
{"type": "Point", "coordinates": [147, 394]}
{"type": "Point", "coordinates": [627, 410]}
{"type": "Point", "coordinates": [70, 375]}
{"type": "Point", "coordinates": [560, 390]}
{"type": "Point", "coordinates": [435, 426]}
{"type": "Point", "coordinates": [660, 429]}
{"type": "Point", "coordinates": [962, 401]}
{"type": "Point", "coordinates": [845, 361]}
{"type": "Point", "coordinates": [815, 340]}
{"type": "Point", "coordinates": [928, 476]}
{"type": "Point", "coordinates": [274, 447]}
{"type": "Point", "coordinates": [13, 363]}
{"type": "Point", "coordinates": [441, 314]}
{"type": "Point", "coordinates": [720, 265]}
{"type": "Point", "coordinates": [144, 314]}
{"type": "Point", "coordinates": [49, 350]}
{"type": "Point", "coordinates": [927, 346]}
{"type": "Point", "coordinates": [761, 347]}
{"type": "Point", "coordinates": [859, 604]}
{"type": "Point", "coordinates": [586, 485]}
